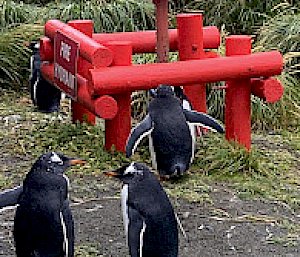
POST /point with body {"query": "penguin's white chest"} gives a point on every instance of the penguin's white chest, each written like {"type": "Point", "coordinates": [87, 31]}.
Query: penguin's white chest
{"type": "Point", "coordinates": [124, 207]}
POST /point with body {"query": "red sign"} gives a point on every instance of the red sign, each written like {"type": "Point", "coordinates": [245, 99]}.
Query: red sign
{"type": "Point", "coordinates": [65, 64]}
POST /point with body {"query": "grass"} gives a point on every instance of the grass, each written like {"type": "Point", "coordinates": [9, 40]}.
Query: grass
{"type": "Point", "coordinates": [87, 250]}
{"type": "Point", "coordinates": [270, 170]}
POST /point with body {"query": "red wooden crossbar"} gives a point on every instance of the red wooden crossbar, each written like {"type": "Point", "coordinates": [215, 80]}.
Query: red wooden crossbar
{"type": "Point", "coordinates": [114, 80]}
{"type": "Point", "coordinates": [141, 41]}
{"type": "Point", "coordinates": [145, 41]}
{"type": "Point", "coordinates": [105, 106]}
{"type": "Point", "coordinates": [270, 90]}
{"type": "Point", "coordinates": [98, 55]}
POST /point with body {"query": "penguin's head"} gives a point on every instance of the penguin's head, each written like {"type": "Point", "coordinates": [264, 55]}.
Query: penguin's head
{"type": "Point", "coordinates": [164, 91]}
{"type": "Point", "coordinates": [130, 173]}
{"type": "Point", "coordinates": [56, 163]}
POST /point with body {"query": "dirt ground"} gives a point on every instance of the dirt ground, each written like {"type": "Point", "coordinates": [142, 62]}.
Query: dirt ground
{"type": "Point", "coordinates": [228, 226]}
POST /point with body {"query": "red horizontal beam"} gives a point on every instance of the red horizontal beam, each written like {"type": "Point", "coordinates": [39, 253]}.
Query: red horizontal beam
{"type": "Point", "coordinates": [115, 80]}
{"type": "Point", "coordinates": [46, 49]}
{"type": "Point", "coordinates": [145, 41]}
{"type": "Point", "coordinates": [270, 90]}
{"type": "Point", "coordinates": [105, 106]}
{"type": "Point", "coordinates": [95, 53]}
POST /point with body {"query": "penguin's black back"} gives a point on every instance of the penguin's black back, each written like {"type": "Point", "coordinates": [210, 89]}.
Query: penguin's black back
{"type": "Point", "coordinates": [38, 229]}
{"type": "Point", "coordinates": [160, 238]}
{"type": "Point", "coordinates": [45, 97]}
{"type": "Point", "coordinates": [171, 136]}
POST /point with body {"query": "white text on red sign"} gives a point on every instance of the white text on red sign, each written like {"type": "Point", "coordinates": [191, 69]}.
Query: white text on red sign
{"type": "Point", "coordinates": [61, 73]}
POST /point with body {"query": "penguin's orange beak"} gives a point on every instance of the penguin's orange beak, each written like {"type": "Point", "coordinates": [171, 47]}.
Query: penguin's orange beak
{"type": "Point", "coordinates": [111, 173]}
{"type": "Point", "coordinates": [77, 161]}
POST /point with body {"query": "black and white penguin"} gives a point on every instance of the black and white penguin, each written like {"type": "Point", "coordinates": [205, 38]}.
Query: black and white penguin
{"type": "Point", "coordinates": [44, 96]}
{"type": "Point", "coordinates": [43, 224]}
{"type": "Point", "coordinates": [148, 216]}
{"type": "Point", "coordinates": [187, 105]}
{"type": "Point", "coordinates": [171, 138]}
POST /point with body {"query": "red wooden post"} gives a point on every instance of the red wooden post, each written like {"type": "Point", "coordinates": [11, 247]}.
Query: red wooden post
{"type": "Point", "coordinates": [190, 45]}
{"type": "Point", "coordinates": [238, 96]}
{"type": "Point", "coordinates": [162, 25]}
{"type": "Point", "coordinates": [118, 129]}
{"type": "Point", "coordinates": [79, 113]}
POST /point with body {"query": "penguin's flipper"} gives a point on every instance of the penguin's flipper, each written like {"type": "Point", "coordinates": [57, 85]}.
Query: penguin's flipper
{"type": "Point", "coordinates": [69, 229]}
{"type": "Point", "coordinates": [203, 120]}
{"type": "Point", "coordinates": [136, 232]}
{"type": "Point", "coordinates": [10, 197]}
{"type": "Point", "coordinates": [143, 129]}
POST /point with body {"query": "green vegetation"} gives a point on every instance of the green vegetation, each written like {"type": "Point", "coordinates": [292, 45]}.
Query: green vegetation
{"type": "Point", "coordinates": [270, 170]}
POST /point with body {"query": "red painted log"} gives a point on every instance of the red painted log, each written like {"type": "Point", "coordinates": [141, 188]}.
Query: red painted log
{"type": "Point", "coordinates": [238, 96]}
{"type": "Point", "coordinates": [270, 90]}
{"type": "Point", "coordinates": [145, 41]}
{"type": "Point", "coordinates": [115, 80]}
{"type": "Point", "coordinates": [106, 107]}
{"type": "Point", "coordinates": [106, 110]}
{"type": "Point", "coordinates": [84, 26]}
{"type": "Point", "coordinates": [79, 112]}
{"type": "Point", "coordinates": [46, 49]}
{"type": "Point", "coordinates": [190, 45]}
{"type": "Point", "coordinates": [142, 41]}
{"type": "Point", "coordinates": [211, 54]}
{"type": "Point", "coordinates": [95, 53]}
{"type": "Point", "coordinates": [118, 129]}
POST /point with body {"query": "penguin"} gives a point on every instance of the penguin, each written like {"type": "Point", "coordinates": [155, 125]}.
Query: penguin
{"type": "Point", "coordinates": [10, 197]}
{"type": "Point", "coordinates": [187, 105]}
{"type": "Point", "coordinates": [179, 93]}
{"type": "Point", "coordinates": [43, 223]}
{"type": "Point", "coordinates": [171, 140]}
{"type": "Point", "coordinates": [44, 96]}
{"type": "Point", "coordinates": [148, 216]}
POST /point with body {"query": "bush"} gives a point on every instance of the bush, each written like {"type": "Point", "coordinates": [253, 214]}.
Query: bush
{"type": "Point", "coordinates": [239, 17]}
{"type": "Point", "coordinates": [14, 55]}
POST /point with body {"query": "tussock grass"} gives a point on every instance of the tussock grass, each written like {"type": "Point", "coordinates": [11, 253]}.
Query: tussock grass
{"type": "Point", "coordinates": [14, 13]}
{"type": "Point", "coordinates": [239, 17]}
{"type": "Point", "coordinates": [269, 170]}
{"type": "Point", "coordinates": [14, 55]}
{"type": "Point", "coordinates": [108, 16]}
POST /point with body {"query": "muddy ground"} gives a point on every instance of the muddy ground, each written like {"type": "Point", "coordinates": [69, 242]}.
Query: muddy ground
{"type": "Point", "coordinates": [227, 226]}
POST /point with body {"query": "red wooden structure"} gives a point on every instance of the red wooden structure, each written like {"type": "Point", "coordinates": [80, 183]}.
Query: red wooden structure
{"type": "Point", "coordinates": [106, 77]}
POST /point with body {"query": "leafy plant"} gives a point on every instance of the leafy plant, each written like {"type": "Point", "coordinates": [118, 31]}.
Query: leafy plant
{"type": "Point", "coordinates": [14, 13]}
{"type": "Point", "coordinates": [14, 54]}
{"type": "Point", "coordinates": [108, 16]}
{"type": "Point", "coordinates": [227, 158]}
{"type": "Point", "coordinates": [238, 16]}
